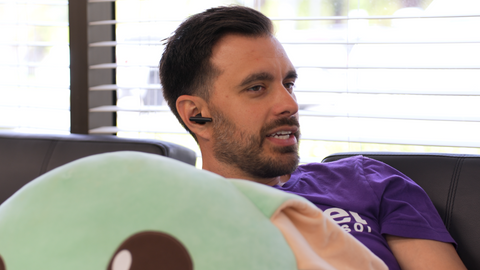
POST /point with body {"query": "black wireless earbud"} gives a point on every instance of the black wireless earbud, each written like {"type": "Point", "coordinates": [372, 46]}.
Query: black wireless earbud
{"type": "Point", "coordinates": [199, 119]}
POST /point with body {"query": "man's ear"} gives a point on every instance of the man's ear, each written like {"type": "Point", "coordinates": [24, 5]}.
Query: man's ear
{"type": "Point", "coordinates": [191, 106]}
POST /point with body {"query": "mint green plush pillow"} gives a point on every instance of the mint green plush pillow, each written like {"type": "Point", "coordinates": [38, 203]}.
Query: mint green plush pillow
{"type": "Point", "coordinates": [80, 215]}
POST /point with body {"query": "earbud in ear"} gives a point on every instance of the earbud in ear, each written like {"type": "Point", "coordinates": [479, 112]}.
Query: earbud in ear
{"type": "Point", "coordinates": [199, 119]}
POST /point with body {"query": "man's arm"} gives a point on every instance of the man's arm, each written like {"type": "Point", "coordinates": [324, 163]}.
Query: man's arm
{"type": "Point", "coordinates": [412, 253]}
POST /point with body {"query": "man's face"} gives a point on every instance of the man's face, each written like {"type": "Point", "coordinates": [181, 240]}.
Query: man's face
{"type": "Point", "coordinates": [254, 110]}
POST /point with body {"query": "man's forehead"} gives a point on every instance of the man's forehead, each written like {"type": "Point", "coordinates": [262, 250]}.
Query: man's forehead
{"type": "Point", "coordinates": [238, 45]}
{"type": "Point", "coordinates": [235, 51]}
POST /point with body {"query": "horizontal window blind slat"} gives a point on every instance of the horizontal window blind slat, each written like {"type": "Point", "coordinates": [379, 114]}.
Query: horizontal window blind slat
{"type": "Point", "coordinates": [101, 1]}
{"type": "Point", "coordinates": [42, 87]}
{"type": "Point", "coordinates": [160, 43]}
{"type": "Point", "coordinates": [394, 67]}
{"type": "Point", "coordinates": [109, 87]}
{"type": "Point", "coordinates": [366, 42]}
{"type": "Point", "coordinates": [132, 109]}
{"type": "Point", "coordinates": [128, 43]}
{"type": "Point", "coordinates": [36, 2]}
{"type": "Point", "coordinates": [115, 65]}
{"type": "Point", "coordinates": [390, 115]}
{"type": "Point", "coordinates": [114, 129]}
{"type": "Point", "coordinates": [113, 22]}
{"type": "Point", "coordinates": [33, 44]}
{"type": "Point", "coordinates": [34, 65]}
{"type": "Point", "coordinates": [34, 23]}
{"type": "Point", "coordinates": [452, 92]}
{"type": "Point", "coordinates": [386, 17]}
{"type": "Point", "coordinates": [323, 18]}
{"type": "Point", "coordinates": [33, 107]}
{"type": "Point", "coordinates": [34, 129]}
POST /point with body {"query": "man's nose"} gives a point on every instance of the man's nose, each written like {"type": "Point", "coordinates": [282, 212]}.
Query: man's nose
{"type": "Point", "coordinates": [285, 102]}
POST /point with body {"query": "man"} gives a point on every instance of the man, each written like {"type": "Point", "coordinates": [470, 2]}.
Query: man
{"type": "Point", "coordinates": [225, 66]}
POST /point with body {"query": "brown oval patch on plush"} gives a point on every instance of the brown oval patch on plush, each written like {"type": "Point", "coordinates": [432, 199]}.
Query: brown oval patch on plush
{"type": "Point", "coordinates": [150, 250]}
{"type": "Point", "coordinates": [2, 264]}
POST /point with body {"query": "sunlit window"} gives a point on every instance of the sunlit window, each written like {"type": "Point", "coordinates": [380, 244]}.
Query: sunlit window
{"type": "Point", "coordinates": [34, 66]}
{"type": "Point", "coordinates": [376, 75]}
{"type": "Point", "coordinates": [398, 75]}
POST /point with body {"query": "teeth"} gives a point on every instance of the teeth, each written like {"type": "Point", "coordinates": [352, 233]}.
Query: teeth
{"type": "Point", "coordinates": [281, 135]}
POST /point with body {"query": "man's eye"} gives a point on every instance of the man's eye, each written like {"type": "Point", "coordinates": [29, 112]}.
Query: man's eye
{"type": "Point", "coordinates": [256, 88]}
{"type": "Point", "coordinates": [289, 86]}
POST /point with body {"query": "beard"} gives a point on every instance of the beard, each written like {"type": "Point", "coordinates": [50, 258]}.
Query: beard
{"type": "Point", "coordinates": [245, 151]}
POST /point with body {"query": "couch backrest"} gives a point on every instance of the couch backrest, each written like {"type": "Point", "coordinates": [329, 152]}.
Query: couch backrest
{"type": "Point", "coordinates": [452, 181]}
{"type": "Point", "coordinates": [23, 157]}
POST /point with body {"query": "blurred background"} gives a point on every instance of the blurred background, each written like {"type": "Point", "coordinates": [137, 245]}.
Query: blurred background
{"type": "Point", "coordinates": [374, 75]}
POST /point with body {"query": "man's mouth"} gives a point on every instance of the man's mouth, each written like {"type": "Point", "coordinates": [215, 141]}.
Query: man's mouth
{"type": "Point", "coordinates": [283, 135]}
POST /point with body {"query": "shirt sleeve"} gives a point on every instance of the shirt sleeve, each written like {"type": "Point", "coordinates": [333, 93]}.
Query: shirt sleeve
{"type": "Point", "coordinates": [405, 208]}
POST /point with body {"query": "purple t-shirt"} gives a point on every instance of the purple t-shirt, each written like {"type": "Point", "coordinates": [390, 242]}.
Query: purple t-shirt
{"type": "Point", "coordinates": [368, 198]}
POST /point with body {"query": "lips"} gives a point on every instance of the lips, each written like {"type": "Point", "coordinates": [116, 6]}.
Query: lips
{"type": "Point", "coordinates": [283, 131]}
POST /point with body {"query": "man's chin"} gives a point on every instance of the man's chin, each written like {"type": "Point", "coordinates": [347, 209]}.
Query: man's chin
{"type": "Point", "coordinates": [291, 161]}
{"type": "Point", "coordinates": [285, 155]}
{"type": "Point", "coordinates": [291, 149]}
{"type": "Point", "coordinates": [283, 163]}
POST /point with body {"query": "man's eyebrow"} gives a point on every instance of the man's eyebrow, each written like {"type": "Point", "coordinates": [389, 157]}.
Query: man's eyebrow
{"type": "Point", "coordinates": [262, 76]}
{"type": "Point", "coordinates": [292, 74]}
{"type": "Point", "coordinates": [265, 76]}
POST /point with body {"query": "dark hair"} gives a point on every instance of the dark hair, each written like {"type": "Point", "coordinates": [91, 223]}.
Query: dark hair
{"type": "Point", "coordinates": [185, 67]}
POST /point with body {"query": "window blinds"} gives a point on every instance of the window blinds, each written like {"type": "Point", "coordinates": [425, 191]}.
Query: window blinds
{"type": "Point", "coordinates": [384, 72]}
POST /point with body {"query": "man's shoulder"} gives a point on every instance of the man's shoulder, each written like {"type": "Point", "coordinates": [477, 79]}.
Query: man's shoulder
{"type": "Point", "coordinates": [344, 169]}
{"type": "Point", "coordinates": [355, 168]}
{"type": "Point", "coordinates": [355, 163]}
{"type": "Point", "coordinates": [345, 164]}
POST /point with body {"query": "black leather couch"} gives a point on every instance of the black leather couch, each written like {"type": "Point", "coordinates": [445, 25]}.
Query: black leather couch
{"type": "Point", "coordinates": [452, 181]}
{"type": "Point", "coordinates": [23, 157]}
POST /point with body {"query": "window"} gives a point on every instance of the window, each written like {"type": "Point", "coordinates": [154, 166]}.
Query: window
{"type": "Point", "coordinates": [34, 66]}
{"type": "Point", "coordinates": [376, 75]}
